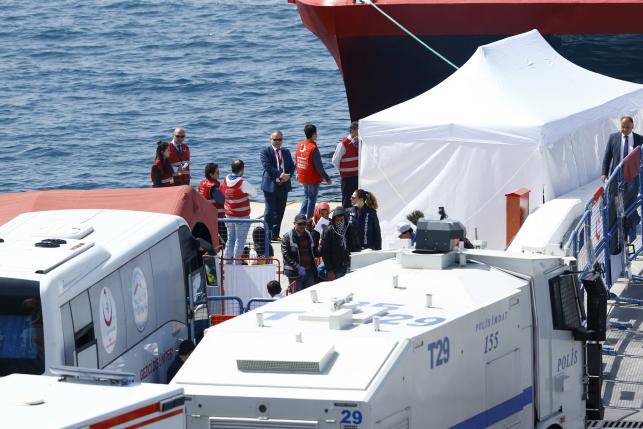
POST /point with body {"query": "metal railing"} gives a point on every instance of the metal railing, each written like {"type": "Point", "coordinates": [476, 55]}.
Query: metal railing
{"type": "Point", "coordinates": [222, 308]}
{"type": "Point", "coordinates": [258, 302]}
{"type": "Point", "coordinates": [601, 234]}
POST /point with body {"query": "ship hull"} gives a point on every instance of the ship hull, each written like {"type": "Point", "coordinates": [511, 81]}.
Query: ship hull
{"type": "Point", "coordinates": [381, 66]}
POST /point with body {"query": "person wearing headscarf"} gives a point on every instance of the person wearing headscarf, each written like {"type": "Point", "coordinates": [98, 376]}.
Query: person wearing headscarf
{"type": "Point", "coordinates": [322, 210]}
{"type": "Point", "coordinates": [338, 241]}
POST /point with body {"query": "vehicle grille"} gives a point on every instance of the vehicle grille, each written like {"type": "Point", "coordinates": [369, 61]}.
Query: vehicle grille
{"type": "Point", "coordinates": [278, 366]}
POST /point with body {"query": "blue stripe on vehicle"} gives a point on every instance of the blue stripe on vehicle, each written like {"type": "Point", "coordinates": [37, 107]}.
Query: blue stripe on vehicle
{"type": "Point", "coordinates": [500, 412]}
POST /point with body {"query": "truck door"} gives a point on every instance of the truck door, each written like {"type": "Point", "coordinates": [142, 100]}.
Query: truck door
{"type": "Point", "coordinates": [194, 279]}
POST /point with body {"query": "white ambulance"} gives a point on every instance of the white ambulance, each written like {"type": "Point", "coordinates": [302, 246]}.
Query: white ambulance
{"type": "Point", "coordinates": [106, 289]}
{"type": "Point", "coordinates": [77, 398]}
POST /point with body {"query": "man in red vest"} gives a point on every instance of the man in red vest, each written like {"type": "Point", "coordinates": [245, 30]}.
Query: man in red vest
{"type": "Point", "coordinates": [310, 171]}
{"type": "Point", "coordinates": [180, 158]}
{"type": "Point", "coordinates": [236, 192]}
{"type": "Point", "coordinates": [346, 160]}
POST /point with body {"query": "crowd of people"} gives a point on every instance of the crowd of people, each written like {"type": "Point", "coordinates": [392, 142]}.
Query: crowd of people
{"type": "Point", "coordinates": [321, 240]}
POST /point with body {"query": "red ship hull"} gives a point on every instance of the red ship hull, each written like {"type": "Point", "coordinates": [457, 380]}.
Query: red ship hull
{"type": "Point", "coordinates": [382, 66]}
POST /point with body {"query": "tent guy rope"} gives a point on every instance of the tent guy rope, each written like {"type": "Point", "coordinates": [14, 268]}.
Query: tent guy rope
{"type": "Point", "coordinates": [401, 27]}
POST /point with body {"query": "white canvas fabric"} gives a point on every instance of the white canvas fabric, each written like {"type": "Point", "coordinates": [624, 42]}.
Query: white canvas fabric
{"type": "Point", "coordinates": [517, 114]}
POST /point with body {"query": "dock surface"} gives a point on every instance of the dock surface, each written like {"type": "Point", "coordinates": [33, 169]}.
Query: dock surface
{"type": "Point", "coordinates": [623, 370]}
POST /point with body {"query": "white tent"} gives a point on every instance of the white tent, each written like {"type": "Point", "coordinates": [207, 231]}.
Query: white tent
{"type": "Point", "coordinates": [517, 114]}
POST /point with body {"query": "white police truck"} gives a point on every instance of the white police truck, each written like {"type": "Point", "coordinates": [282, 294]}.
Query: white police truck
{"type": "Point", "coordinates": [102, 289]}
{"type": "Point", "coordinates": [479, 339]}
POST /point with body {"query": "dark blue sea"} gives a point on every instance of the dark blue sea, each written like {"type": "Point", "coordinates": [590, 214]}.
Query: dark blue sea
{"type": "Point", "coordinates": [90, 86]}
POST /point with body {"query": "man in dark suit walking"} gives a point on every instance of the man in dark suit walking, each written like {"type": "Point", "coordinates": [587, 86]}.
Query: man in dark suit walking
{"type": "Point", "coordinates": [278, 168]}
{"type": "Point", "coordinates": [618, 147]}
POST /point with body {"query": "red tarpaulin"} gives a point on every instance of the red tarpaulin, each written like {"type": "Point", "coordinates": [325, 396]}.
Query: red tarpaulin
{"type": "Point", "coordinates": [181, 201]}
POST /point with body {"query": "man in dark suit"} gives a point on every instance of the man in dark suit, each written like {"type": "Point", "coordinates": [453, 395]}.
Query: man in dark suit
{"type": "Point", "coordinates": [618, 147]}
{"type": "Point", "coordinates": [278, 168]}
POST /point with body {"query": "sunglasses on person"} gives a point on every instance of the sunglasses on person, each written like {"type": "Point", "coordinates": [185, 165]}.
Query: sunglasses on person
{"type": "Point", "coordinates": [179, 136]}
{"type": "Point", "coordinates": [277, 139]}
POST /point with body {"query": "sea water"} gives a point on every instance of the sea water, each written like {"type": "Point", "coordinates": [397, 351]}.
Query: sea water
{"type": "Point", "coordinates": [90, 86]}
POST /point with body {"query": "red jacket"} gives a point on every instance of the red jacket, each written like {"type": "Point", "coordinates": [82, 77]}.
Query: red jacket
{"type": "Point", "coordinates": [166, 175]}
{"type": "Point", "coordinates": [237, 203]}
{"type": "Point", "coordinates": [306, 172]}
{"type": "Point", "coordinates": [204, 189]}
{"type": "Point", "coordinates": [349, 164]}
{"type": "Point", "coordinates": [177, 161]}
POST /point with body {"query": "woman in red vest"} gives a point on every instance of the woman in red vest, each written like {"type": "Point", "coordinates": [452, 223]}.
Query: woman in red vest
{"type": "Point", "coordinates": [209, 187]}
{"type": "Point", "coordinates": [162, 173]}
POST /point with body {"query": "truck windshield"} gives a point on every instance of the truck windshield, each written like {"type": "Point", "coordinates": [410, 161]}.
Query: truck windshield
{"type": "Point", "coordinates": [21, 329]}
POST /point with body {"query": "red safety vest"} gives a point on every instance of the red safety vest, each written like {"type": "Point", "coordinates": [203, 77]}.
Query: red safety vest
{"type": "Point", "coordinates": [306, 172]}
{"type": "Point", "coordinates": [204, 188]}
{"type": "Point", "coordinates": [349, 164]}
{"type": "Point", "coordinates": [166, 175]}
{"type": "Point", "coordinates": [177, 161]}
{"type": "Point", "coordinates": [236, 202]}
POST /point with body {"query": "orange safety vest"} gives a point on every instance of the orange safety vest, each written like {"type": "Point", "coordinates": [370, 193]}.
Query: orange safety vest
{"type": "Point", "coordinates": [204, 189]}
{"type": "Point", "coordinates": [306, 172]}
{"type": "Point", "coordinates": [349, 164]}
{"type": "Point", "coordinates": [166, 176]}
{"type": "Point", "coordinates": [236, 202]}
{"type": "Point", "coordinates": [177, 161]}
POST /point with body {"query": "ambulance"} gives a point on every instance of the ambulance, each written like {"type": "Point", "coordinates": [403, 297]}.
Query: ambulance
{"type": "Point", "coordinates": [99, 289]}
{"type": "Point", "coordinates": [80, 398]}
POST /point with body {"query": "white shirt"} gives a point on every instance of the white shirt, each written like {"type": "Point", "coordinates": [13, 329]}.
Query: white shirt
{"type": "Point", "coordinates": [630, 143]}
{"type": "Point", "coordinates": [248, 188]}
{"type": "Point", "coordinates": [340, 151]}
{"type": "Point", "coordinates": [279, 166]}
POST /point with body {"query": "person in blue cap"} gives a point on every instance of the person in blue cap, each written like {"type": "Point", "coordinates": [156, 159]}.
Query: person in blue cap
{"type": "Point", "coordinates": [406, 232]}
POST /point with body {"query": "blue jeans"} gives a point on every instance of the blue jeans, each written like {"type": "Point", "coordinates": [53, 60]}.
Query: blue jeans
{"type": "Point", "coordinates": [237, 233]}
{"type": "Point", "coordinates": [310, 199]}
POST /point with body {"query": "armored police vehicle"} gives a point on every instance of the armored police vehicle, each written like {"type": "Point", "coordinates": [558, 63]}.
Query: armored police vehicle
{"type": "Point", "coordinates": [417, 340]}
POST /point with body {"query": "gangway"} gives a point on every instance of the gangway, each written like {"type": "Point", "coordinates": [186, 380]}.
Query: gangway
{"type": "Point", "coordinates": [598, 240]}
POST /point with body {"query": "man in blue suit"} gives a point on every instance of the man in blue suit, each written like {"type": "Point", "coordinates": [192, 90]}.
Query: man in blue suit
{"type": "Point", "coordinates": [618, 147]}
{"type": "Point", "coordinates": [278, 168]}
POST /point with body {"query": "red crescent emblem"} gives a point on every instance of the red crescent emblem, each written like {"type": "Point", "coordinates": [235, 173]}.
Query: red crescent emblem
{"type": "Point", "coordinates": [108, 321]}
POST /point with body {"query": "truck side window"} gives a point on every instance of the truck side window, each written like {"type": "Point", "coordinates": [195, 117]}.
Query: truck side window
{"type": "Point", "coordinates": [84, 338]}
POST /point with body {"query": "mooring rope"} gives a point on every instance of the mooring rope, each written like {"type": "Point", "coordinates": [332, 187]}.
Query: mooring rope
{"type": "Point", "coordinates": [401, 27]}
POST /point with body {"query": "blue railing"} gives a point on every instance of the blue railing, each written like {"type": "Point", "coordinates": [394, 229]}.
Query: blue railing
{"type": "Point", "coordinates": [600, 231]}
{"type": "Point", "coordinates": [258, 302]}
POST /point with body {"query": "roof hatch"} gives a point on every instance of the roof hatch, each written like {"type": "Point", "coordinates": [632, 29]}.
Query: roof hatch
{"type": "Point", "coordinates": [76, 232]}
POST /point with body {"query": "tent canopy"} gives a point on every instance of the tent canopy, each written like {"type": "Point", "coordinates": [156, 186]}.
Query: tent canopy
{"type": "Point", "coordinates": [181, 201]}
{"type": "Point", "coordinates": [517, 114]}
